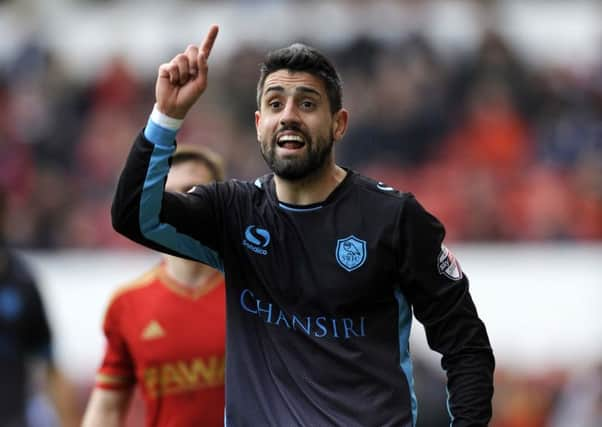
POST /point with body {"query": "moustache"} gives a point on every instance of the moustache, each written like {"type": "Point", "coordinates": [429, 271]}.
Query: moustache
{"type": "Point", "coordinates": [294, 128]}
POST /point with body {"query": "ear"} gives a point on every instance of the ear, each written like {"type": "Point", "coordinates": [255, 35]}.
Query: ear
{"type": "Point", "coordinates": [257, 121]}
{"type": "Point", "coordinates": [339, 124]}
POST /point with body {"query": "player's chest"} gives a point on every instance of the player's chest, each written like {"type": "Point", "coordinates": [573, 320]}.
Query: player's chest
{"type": "Point", "coordinates": [165, 334]}
{"type": "Point", "coordinates": [336, 255]}
{"type": "Point", "coordinates": [177, 347]}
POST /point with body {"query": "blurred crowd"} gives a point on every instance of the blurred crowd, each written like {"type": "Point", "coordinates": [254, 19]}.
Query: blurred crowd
{"type": "Point", "coordinates": [546, 399]}
{"type": "Point", "coordinates": [499, 148]}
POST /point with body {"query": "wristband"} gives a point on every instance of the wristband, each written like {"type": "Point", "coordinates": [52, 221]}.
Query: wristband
{"type": "Point", "coordinates": [161, 129]}
{"type": "Point", "coordinates": [164, 120]}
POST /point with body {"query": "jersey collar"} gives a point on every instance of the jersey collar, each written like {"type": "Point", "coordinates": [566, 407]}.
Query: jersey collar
{"type": "Point", "coordinates": [334, 195]}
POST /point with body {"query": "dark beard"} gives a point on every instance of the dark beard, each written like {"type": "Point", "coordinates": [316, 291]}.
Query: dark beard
{"type": "Point", "coordinates": [298, 168]}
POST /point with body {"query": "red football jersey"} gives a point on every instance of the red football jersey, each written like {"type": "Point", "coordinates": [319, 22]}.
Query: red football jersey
{"type": "Point", "coordinates": [171, 341]}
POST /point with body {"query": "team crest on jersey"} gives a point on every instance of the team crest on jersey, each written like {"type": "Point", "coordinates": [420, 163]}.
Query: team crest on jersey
{"type": "Point", "coordinates": [351, 252]}
{"type": "Point", "coordinates": [448, 265]}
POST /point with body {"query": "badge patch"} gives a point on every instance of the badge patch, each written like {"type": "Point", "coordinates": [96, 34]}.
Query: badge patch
{"type": "Point", "coordinates": [448, 265]}
{"type": "Point", "coordinates": [351, 253]}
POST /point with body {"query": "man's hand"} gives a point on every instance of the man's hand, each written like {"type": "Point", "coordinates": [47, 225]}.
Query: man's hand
{"type": "Point", "coordinates": [182, 80]}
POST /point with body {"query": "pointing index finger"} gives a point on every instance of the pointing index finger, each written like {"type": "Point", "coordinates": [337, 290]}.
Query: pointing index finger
{"type": "Point", "coordinates": [209, 41]}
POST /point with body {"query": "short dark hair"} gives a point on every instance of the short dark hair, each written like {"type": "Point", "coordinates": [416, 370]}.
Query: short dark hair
{"type": "Point", "coordinates": [209, 158]}
{"type": "Point", "coordinates": [300, 57]}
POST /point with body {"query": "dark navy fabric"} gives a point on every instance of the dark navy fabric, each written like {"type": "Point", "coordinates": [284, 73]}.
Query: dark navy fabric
{"type": "Point", "coordinates": [24, 334]}
{"type": "Point", "coordinates": [320, 298]}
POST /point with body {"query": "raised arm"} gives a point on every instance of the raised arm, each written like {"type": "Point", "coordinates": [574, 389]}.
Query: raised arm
{"type": "Point", "coordinates": [142, 210]}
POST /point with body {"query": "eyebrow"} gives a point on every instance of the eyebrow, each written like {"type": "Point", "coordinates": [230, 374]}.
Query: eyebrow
{"type": "Point", "coordinates": [303, 89]}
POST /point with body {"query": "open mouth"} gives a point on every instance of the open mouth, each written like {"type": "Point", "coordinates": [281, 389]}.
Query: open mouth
{"type": "Point", "coordinates": [291, 141]}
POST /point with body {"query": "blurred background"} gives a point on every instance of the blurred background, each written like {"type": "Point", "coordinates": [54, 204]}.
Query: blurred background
{"type": "Point", "coordinates": [489, 111]}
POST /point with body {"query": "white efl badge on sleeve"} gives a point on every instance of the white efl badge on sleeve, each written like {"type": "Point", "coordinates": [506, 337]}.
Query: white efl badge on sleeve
{"type": "Point", "coordinates": [448, 265]}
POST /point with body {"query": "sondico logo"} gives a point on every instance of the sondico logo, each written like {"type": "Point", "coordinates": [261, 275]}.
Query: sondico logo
{"type": "Point", "coordinates": [256, 239]}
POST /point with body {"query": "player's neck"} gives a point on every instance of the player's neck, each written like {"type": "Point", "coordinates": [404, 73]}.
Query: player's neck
{"type": "Point", "coordinates": [313, 189]}
{"type": "Point", "coordinates": [187, 273]}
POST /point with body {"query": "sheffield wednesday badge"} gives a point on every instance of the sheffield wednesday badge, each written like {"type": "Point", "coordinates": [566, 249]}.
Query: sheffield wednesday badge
{"type": "Point", "coordinates": [351, 252]}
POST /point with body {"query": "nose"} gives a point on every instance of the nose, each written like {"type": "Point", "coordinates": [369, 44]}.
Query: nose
{"type": "Point", "coordinates": [289, 114]}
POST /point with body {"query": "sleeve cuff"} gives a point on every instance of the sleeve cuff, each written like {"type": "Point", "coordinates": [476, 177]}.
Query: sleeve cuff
{"type": "Point", "coordinates": [114, 382]}
{"type": "Point", "coordinates": [162, 129]}
{"type": "Point", "coordinates": [164, 120]}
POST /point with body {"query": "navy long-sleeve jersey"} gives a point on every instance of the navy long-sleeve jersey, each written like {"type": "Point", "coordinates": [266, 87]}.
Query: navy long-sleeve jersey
{"type": "Point", "coordinates": [24, 333]}
{"type": "Point", "coordinates": [320, 298]}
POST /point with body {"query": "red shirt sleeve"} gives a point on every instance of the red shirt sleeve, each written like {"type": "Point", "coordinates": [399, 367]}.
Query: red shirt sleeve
{"type": "Point", "coordinates": [117, 371]}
